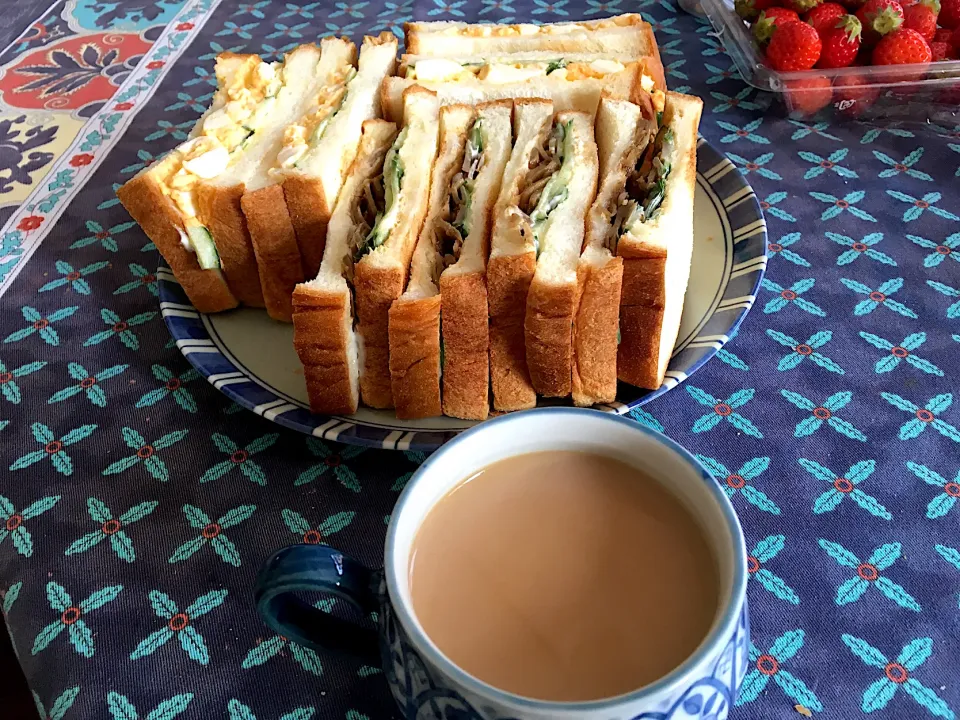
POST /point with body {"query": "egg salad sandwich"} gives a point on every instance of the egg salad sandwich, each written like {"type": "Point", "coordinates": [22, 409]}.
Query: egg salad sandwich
{"type": "Point", "coordinates": [627, 36]}
{"type": "Point", "coordinates": [318, 148]}
{"type": "Point", "coordinates": [555, 201]}
{"type": "Point", "coordinates": [513, 256]}
{"type": "Point", "coordinates": [644, 215]}
{"type": "Point", "coordinates": [324, 332]}
{"type": "Point", "coordinates": [394, 207]}
{"type": "Point", "coordinates": [448, 272]}
{"type": "Point", "coordinates": [164, 197]}
{"type": "Point", "coordinates": [573, 81]}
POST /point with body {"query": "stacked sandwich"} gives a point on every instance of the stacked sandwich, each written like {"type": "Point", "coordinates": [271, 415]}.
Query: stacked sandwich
{"type": "Point", "coordinates": [520, 223]}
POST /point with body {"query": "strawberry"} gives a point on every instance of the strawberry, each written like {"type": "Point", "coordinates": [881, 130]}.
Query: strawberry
{"type": "Point", "coordinates": [825, 16]}
{"type": "Point", "coordinates": [802, 6]}
{"type": "Point", "coordinates": [806, 97]}
{"type": "Point", "coordinates": [794, 46]}
{"type": "Point", "coordinates": [944, 35]}
{"type": "Point", "coordinates": [750, 10]}
{"type": "Point", "coordinates": [878, 18]}
{"type": "Point", "coordinates": [955, 41]}
{"type": "Point", "coordinates": [941, 51]}
{"type": "Point", "coordinates": [949, 14]}
{"type": "Point", "coordinates": [840, 44]}
{"type": "Point", "coordinates": [922, 17]}
{"type": "Point", "coordinates": [902, 47]}
{"type": "Point", "coordinates": [770, 19]}
{"type": "Point", "coordinates": [855, 95]}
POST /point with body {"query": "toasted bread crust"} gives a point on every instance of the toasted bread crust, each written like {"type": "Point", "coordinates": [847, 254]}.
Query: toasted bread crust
{"type": "Point", "coordinates": [275, 246]}
{"type": "Point", "coordinates": [414, 327]}
{"type": "Point", "coordinates": [466, 343]}
{"type": "Point", "coordinates": [642, 301]}
{"type": "Point", "coordinates": [548, 332]}
{"type": "Point", "coordinates": [221, 212]}
{"type": "Point", "coordinates": [154, 212]}
{"type": "Point", "coordinates": [375, 289]}
{"type": "Point", "coordinates": [594, 377]}
{"type": "Point", "coordinates": [508, 282]}
{"type": "Point", "coordinates": [321, 344]}
{"type": "Point", "coordinates": [309, 210]}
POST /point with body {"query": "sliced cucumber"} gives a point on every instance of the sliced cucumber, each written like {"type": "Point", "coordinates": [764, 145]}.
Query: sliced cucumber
{"type": "Point", "coordinates": [206, 251]}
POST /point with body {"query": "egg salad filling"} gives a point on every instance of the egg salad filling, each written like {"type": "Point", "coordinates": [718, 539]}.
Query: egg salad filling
{"type": "Point", "coordinates": [245, 98]}
{"type": "Point", "coordinates": [501, 72]}
{"type": "Point", "coordinates": [299, 137]}
{"type": "Point", "coordinates": [529, 29]}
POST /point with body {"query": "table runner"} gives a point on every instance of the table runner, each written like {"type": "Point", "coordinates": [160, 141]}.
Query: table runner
{"type": "Point", "coordinates": [137, 503]}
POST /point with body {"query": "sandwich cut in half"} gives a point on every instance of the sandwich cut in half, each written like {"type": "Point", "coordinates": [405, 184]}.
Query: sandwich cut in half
{"type": "Point", "coordinates": [164, 197]}
{"type": "Point", "coordinates": [513, 256]}
{"type": "Point", "coordinates": [650, 225]}
{"type": "Point", "coordinates": [395, 206]}
{"type": "Point", "coordinates": [319, 147]}
{"type": "Point", "coordinates": [555, 200]}
{"type": "Point", "coordinates": [448, 271]}
{"type": "Point", "coordinates": [573, 82]}
{"type": "Point", "coordinates": [323, 310]}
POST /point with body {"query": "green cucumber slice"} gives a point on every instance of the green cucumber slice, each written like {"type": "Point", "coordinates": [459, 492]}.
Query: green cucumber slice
{"type": "Point", "coordinates": [203, 246]}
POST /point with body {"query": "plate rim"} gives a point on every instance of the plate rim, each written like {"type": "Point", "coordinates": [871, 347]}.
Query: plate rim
{"type": "Point", "coordinates": [720, 176]}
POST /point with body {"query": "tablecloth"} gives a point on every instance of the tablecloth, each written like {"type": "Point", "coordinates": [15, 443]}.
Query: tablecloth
{"type": "Point", "coordinates": [137, 503]}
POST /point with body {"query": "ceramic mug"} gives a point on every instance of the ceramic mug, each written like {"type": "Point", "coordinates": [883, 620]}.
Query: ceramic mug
{"type": "Point", "coordinates": [424, 682]}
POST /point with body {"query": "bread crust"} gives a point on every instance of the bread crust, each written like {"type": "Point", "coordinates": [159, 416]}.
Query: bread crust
{"type": "Point", "coordinates": [466, 343]}
{"type": "Point", "coordinates": [275, 247]}
{"type": "Point", "coordinates": [322, 346]}
{"type": "Point", "coordinates": [414, 333]}
{"type": "Point", "coordinates": [309, 211]}
{"type": "Point", "coordinates": [221, 212]}
{"type": "Point", "coordinates": [157, 216]}
{"type": "Point", "coordinates": [548, 333]}
{"type": "Point", "coordinates": [508, 282]}
{"type": "Point", "coordinates": [376, 288]}
{"type": "Point", "coordinates": [594, 378]}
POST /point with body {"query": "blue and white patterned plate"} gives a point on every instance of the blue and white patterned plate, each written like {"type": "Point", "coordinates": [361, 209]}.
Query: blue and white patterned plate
{"type": "Point", "coordinates": [251, 359]}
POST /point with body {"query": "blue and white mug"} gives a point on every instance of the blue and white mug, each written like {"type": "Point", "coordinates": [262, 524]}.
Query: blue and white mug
{"type": "Point", "coordinates": [423, 681]}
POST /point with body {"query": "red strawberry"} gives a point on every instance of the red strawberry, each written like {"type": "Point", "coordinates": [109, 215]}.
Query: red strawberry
{"type": "Point", "coordinates": [750, 10]}
{"type": "Point", "coordinates": [770, 20]}
{"type": "Point", "coordinates": [855, 96]}
{"type": "Point", "coordinates": [840, 44]}
{"type": "Point", "coordinates": [922, 17]}
{"type": "Point", "coordinates": [879, 17]}
{"type": "Point", "coordinates": [949, 14]}
{"type": "Point", "coordinates": [903, 47]}
{"type": "Point", "coordinates": [941, 51]}
{"type": "Point", "coordinates": [794, 46]}
{"type": "Point", "coordinates": [825, 16]}
{"type": "Point", "coordinates": [806, 97]}
{"type": "Point", "coordinates": [944, 35]}
{"type": "Point", "coordinates": [802, 6]}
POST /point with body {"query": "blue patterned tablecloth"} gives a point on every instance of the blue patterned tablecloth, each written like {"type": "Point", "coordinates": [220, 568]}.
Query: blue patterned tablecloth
{"type": "Point", "coordinates": [136, 503]}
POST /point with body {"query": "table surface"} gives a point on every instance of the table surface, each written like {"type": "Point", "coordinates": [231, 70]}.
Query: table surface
{"type": "Point", "coordinates": [829, 419]}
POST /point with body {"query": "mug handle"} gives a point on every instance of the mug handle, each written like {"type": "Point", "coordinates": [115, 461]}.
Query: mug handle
{"type": "Point", "coordinates": [318, 568]}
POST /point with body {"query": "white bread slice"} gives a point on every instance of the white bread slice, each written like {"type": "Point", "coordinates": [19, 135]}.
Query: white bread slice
{"type": "Point", "coordinates": [414, 321]}
{"type": "Point", "coordinates": [554, 291]}
{"type": "Point", "coordinates": [657, 256]}
{"type": "Point", "coordinates": [576, 92]}
{"type": "Point", "coordinates": [323, 320]}
{"type": "Point", "coordinates": [625, 35]}
{"type": "Point", "coordinates": [463, 286]}
{"type": "Point", "coordinates": [381, 274]}
{"type": "Point", "coordinates": [312, 184]}
{"type": "Point", "coordinates": [513, 262]}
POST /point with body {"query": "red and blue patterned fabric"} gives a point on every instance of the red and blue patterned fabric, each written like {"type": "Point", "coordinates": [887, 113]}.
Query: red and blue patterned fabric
{"type": "Point", "coordinates": [137, 503]}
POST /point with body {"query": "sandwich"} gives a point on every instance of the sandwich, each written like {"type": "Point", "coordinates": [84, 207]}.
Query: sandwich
{"type": "Point", "coordinates": [626, 36]}
{"type": "Point", "coordinates": [318, 149]}
{"type": "Point", "coordinates": [395, 205]}
{"type": "Point", "coordinates": [573, 81]}
{"type": "Point", "coordinates": [164, 197]}
{"type": "Point", "coordinates": [324, 335]}
{"type": "Point", "coordinates": [644, 215]}
{"type": "Point", "coordinates": [448, 271]}
{"type": "Point", "coordinates": [513, 257]}
{"type": "Point", "coordinates": [554, 202]}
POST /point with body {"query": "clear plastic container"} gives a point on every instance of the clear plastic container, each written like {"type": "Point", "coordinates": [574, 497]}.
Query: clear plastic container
{"type": "Point", "coordinates": [880, 94]}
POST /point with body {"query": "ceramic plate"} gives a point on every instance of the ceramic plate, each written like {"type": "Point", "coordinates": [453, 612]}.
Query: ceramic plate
{"type": "Point", "coordinates": [251, 359]}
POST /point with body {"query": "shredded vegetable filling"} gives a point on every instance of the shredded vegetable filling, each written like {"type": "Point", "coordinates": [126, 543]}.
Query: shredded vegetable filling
{"type": "Point", "coordinates": [454, 225]}
{"type": "Point", "coordinates": [546, 180]}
